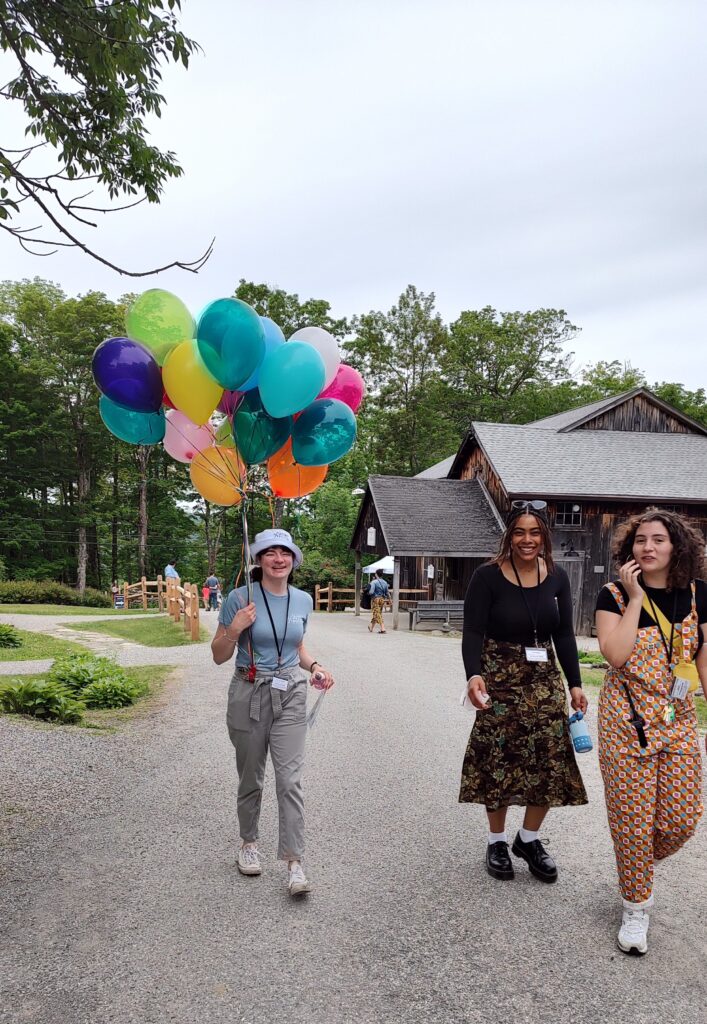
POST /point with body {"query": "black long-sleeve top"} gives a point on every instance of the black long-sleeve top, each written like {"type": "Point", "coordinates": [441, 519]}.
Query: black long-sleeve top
{"type": "Point", "coordinates": [494, 607]}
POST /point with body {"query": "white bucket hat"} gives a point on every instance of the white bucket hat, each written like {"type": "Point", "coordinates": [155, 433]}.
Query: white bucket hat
{"type": "Point", "coordinates": [276, 539]}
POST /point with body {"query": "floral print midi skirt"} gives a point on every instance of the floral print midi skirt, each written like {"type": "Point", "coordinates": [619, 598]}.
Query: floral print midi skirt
{"type": "Point", "coordinates": [520, 750]}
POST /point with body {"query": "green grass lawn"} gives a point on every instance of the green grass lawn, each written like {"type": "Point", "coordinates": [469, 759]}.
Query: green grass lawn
{"type": "Point", "coordinates": [153, 632]}
{"type": "Point", "coordinates": [36, 646]}
{"type": "Point", "coordinates": [68, 609]}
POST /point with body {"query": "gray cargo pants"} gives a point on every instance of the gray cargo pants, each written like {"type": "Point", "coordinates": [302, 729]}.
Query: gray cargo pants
{"type": "Point", "coordinates": [259, 719]}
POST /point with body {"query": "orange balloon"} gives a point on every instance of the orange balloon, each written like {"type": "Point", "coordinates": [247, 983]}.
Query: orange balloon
{"type": "Point", "coordinates": [289, 479]}
{"type": "Point", "coordinates": [219, 475]}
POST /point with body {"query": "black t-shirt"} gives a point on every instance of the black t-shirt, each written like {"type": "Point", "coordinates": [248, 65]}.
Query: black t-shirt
{"type": "Point", "coordinates": [678, 600]}
{"type": "Point", "coordinates": [496, 608]}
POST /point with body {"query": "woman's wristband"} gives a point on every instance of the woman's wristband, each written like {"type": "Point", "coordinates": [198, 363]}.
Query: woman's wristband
{"type": "Point", "coordinates": [312, 666]}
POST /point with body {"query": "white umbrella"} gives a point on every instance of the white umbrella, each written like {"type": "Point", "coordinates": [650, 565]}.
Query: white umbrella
{"type": "Point", "coordinates": [386, 564]}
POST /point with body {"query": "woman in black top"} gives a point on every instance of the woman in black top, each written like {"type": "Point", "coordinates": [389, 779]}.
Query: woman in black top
{"type": "Point", "coordinates": [520, 751]}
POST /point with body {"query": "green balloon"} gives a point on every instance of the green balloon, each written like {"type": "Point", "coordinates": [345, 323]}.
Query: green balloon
{"type": "Point", "coordinates": [160, 321]}
{"type": "Point", "coordinates": [224, 436]}
{"type": "Point", "coordinates": [258, 435]}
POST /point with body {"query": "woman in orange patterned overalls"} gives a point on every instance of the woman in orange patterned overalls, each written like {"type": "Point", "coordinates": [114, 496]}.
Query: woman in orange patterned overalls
{"type": "Point", "coordinates": [651, 629]}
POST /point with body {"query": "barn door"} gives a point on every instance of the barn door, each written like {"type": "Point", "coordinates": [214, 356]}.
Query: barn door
{"type": "Point", "coordinates": [574, 567]}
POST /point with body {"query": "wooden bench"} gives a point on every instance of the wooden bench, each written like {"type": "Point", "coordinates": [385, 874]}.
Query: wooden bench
{"type": "Point", "coordinates": [448, 613]}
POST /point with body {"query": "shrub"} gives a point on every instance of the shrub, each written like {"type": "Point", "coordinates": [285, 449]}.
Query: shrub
{"type": "Point", "coordinates": [591, 658]}
{"type": "Point", "coordinates": [50, 592]}
{"type": "Point", "coordinates": [41, 698]}
{"type": "Point", "coordinates": [109, 693]}
{"type": "Point", "coordinates": [9, 637]}
{"type": "Point", "coordinates": [77, 671]}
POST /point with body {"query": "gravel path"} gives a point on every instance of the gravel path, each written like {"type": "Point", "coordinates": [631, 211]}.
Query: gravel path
{"type": "Point", "coordinates": [121, 904]}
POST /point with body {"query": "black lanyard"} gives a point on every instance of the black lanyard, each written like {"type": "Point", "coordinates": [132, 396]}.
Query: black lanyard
{"type": "Point", "coordinates": [533, 617]}
{"type": "Point", "coordinates": [668, 647]}
{"type": "Point", "coordinates": [279, 646]}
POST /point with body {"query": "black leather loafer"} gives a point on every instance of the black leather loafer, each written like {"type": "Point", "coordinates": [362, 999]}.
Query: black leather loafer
{"type": "Point", "coordinates": [498, 861]}
{"type": "Point", "coordinates": [537, 858]}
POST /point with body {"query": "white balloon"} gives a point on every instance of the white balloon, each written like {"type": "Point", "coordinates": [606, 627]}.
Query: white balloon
{"type": "Point", "coordinates": [327, 347]}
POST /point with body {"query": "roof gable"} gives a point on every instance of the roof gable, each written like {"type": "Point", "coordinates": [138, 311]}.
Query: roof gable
{"type": "Point", "coordinates": [584, 415]}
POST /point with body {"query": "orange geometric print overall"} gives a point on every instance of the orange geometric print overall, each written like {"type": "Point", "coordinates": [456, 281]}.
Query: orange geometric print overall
{"type": "Point", "coordinates": [653, 795]}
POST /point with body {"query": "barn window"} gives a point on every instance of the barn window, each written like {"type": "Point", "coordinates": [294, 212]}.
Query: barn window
{"type": "Point", "coordinates": [568, 513]}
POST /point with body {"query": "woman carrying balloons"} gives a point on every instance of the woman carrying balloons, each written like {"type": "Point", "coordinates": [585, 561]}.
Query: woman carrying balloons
{"type": "Point", "coordinates": [267, 697]}
{"type": "Point", "coordinates": [652, 626]}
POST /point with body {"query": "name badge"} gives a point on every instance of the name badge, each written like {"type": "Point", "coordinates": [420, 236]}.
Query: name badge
{"type": "Point", "coordinates": [681, 688]}
{"type": "Point", "coordinates": [279, 684]}
{"type": "Point", "coordinates": [536, 654]}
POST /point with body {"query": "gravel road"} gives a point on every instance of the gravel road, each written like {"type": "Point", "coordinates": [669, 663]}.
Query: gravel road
{"type": "Point", "coordinates": [121, 904]}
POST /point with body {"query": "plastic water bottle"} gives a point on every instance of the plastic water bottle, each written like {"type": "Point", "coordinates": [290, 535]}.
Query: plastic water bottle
{"type": "Point", "coordinates": [318, 680]}
{"type": "Point", "coordinates": [580, 733]}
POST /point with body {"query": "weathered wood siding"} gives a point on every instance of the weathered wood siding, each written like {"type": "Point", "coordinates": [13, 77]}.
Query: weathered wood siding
{"type": "Point", "coordinates": [360, 539]}
{"type": "Point", "coordinates": [592, 541]}
{"type": "Point", "coordinates": [478, 465]}
{"type": "Point", "coordinates": [637, 414]}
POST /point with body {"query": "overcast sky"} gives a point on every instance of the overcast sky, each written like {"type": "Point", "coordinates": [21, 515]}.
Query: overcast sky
{"type": "Point", "coordinates": [501, 153]}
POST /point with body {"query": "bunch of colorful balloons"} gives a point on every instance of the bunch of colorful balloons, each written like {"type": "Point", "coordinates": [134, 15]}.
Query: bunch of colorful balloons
{"type": "Point", "coordinates": [290, 404]}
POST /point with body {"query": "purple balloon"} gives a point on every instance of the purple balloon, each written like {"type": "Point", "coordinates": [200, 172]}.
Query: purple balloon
{"type": "Point", "coordinates": [230, 402]}
{"type": "Point", "coordinates": [127, 373]}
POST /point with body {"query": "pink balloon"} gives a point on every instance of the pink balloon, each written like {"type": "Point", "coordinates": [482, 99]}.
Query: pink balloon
{"type": "Point", "coordinates": [347, 386]}
{"type": "Point", "coordinates": [230, 402]}
{"type": "Point", "coordinates": [183, 439]}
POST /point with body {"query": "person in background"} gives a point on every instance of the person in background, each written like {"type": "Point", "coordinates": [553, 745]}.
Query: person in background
{"type": "Point", "coordinates": [267, 699]}
{"type": "Point", "coordinates": [380, 593]}
{"type": "Point", "coordinates": [114, 591]}
{"type": "Point", "coordinates": [652, 627]}
{"type": "Point", "coordinates": [205, 596]}
{"type": "Point", "coordinates": [213, 585]}
{"type": "Point", "coordinates": [170, 571]}
{"type": "Point", "coordinates": [520, 752]}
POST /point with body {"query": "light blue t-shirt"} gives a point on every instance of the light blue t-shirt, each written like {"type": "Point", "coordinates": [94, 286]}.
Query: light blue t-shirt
{"type": "Point", "coordinates": [264, 647]}
{"type": "Point", "coordinates": [171, 573]}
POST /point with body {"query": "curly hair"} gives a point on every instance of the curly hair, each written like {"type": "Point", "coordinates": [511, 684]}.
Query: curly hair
{"type": "Point", "coordinates": [688, 558]}
{"type": "Point", "coordinates": [504, 549]}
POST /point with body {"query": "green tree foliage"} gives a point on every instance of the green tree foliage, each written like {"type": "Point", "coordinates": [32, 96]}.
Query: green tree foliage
{"type": "Point", "coordinates": [498, 367]}
{"type": "Point", "coordinates": [398, 353]}
{"type": "Point", "coordinates": [87, 75]}
{"type": "Point", "coordinates": [286, 309]}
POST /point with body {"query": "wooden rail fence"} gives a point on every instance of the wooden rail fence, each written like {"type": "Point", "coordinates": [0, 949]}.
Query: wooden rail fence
{"type": "Point", "coordinates": [324, 597]}
{"type": "Point", "coordinates": [179, 600]}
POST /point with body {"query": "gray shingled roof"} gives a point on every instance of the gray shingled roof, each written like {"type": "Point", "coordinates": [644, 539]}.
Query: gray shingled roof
{"type": "Point", "coordinates": [451, 518]}
{"type": "Point", "coordinates": [437, 472]}
{"type": "Point", "coordinates": [533, 460]}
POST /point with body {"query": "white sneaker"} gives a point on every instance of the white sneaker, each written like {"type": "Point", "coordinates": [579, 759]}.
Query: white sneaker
{"type": "Point", "coordinates": [633, 933]}
{"type": "Point", "coordinates": [298, 884]}
{"type": "Point", "coordinates": [249, 861]}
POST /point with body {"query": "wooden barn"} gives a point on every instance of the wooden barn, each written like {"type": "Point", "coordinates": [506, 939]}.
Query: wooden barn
{"type": "Point", "coordinates": [594, 466]}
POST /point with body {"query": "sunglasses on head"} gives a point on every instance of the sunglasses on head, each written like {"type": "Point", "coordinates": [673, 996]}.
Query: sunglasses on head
{"type": "Point", "coordinates": [528, 506]}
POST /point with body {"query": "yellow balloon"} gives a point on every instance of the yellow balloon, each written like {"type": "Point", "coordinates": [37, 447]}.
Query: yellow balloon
{"type": "Point", "coordinates": [218, 475]}
{"type": "Point", "coordinates": [191, 389]}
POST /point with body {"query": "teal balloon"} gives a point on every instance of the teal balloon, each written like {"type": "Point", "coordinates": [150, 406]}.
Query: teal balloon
{"type": "Point", "coordinates": [130, 425]}
{"type": "Point", "coordinates": [231, 341]}
{"type": "Point", "coordinates": [257, 435]}
{"type": "Point", "coordinates": [290, 378]}
{"type": "Point", "coordinates": [273, 339]}
{"type": "Point", "coordinates": [324, 432]}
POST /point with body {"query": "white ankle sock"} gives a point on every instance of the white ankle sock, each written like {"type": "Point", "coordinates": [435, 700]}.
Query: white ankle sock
{"type": "Point", "coordinates": [526, 836]}
{"type": "Point", "coordinates": [497, 837]}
